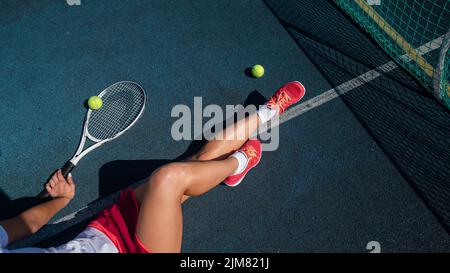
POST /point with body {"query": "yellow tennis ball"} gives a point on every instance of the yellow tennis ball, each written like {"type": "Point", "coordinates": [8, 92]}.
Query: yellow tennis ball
{"type": "Point", "coordinates": [95, 103]}
{"type": "Point", "coordinates": [257, 71]}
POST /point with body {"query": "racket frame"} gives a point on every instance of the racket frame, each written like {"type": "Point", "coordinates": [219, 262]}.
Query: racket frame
{"type": "Point", "coordinates": [79, 154]}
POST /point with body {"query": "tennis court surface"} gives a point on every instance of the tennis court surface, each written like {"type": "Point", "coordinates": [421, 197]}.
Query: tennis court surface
{"type": "Point", "coordinates": [364, 158]}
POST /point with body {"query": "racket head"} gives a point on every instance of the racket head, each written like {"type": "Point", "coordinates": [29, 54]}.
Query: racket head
{"type": "Point", "coordinates": [123, 105]}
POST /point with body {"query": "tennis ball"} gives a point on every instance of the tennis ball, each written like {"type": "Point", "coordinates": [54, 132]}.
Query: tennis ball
{"type": "Point", "coordinates": [257, 71]}
{"type": "Point", "coordinates": [95, 103]}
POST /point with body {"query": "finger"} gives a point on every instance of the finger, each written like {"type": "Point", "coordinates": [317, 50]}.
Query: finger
{"type": "Point", "coordinates": [52, 183]}
{"type": "Point", "coordinates": [48, 188]}
{"type": "Point", "coordinates": [55, 174]}
{"type": "Point", "coordinates": [54, 177]}
{"type": "Point", "coordinates": [51, 179]}
{"type": "Point", "coordinates": [70, 179]}
{"type": "Point", "coordinates": [60, 176]}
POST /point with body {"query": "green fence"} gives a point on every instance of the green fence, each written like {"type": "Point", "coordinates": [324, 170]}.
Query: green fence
{"type": "Point", "coordinates": [410, 31]}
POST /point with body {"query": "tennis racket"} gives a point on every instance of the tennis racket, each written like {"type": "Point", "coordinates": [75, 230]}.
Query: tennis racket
{"type": "Point", "coordinates": [123, 105]}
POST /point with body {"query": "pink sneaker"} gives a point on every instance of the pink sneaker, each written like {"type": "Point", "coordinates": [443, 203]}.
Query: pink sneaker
{"type": "Point", "coordinates": [252, 150]}
{"type": "Point", "coordinates": [285, 96]}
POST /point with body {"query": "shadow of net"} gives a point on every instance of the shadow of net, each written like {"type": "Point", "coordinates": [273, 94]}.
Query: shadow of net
{"type": "Point", "coordinates": [408, 124]}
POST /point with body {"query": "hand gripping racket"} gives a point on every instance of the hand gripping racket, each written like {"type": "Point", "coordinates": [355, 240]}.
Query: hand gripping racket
{"type": "Point", "coordinates": [123, 105]}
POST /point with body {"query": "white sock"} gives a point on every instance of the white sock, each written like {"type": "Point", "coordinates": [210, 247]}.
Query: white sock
{"type": "Point", "coordinates": [242, 162]}
{"type": "Point", "coordinates": [265, 113]}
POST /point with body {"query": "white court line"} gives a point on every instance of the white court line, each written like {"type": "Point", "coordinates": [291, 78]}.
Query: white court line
{"type": "Point", "coordinates": [350, 85]}
{"type": "Point", "coordinates": [69, 216]}
{"type": "Point", "coordinates": [288, 115]}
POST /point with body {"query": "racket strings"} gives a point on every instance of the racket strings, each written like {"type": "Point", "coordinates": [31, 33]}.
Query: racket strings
{"type": "Point", "coordinates": [122, 104]}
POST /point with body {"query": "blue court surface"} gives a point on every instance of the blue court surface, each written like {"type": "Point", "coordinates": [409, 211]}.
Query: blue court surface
{"type": "Point", "coordinates": [358, 163]}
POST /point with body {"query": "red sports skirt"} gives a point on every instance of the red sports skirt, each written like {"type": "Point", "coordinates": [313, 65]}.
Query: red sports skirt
{"type": "Point", "coordinates": [118, 223]}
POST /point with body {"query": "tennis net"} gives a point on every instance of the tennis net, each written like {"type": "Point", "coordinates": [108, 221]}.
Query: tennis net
{"type": "Point", "coordinates": [400, 27]}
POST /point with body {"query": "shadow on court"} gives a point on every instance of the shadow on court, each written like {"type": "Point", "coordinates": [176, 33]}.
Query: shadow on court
{"type": "Point", "coordinates": [10, 208]}
{"type": "Point", "coordinates": [405, 120]}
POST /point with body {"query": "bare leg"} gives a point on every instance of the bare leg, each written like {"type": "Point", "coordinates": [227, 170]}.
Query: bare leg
{"type": "Point", "coordinates": [159, 224]}
{"type": "Point", "coordinates": [235, 137]}
{"type": "Point", "coordinates": [160, 217]}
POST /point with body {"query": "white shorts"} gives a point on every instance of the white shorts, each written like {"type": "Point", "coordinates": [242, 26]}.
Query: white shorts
{"type": "Point", "coordinates": [91, 240]}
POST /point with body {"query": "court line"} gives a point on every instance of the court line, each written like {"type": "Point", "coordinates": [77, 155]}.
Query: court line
{"type": "Point", "coordinates": [92, 209]}
{"type": "Point", "coordinates": [350, 85]}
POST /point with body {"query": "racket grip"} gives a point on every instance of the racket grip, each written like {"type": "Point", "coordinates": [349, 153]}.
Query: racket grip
{"type": "Point", "coordinates": [65, 170]}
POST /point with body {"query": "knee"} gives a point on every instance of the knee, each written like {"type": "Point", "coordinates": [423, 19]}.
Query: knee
{"type": "Point", "coordinates": [170, 176]}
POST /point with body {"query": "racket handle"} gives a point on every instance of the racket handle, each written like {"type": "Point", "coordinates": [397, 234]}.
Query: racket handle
{"type": "Point", "coordinates": [65, 170]}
